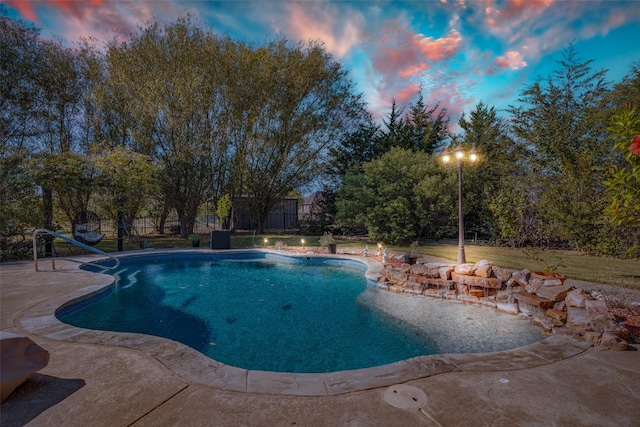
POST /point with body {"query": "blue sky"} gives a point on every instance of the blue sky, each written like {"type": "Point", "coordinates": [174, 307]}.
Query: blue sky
{"type": "Point", "coordinates": [460, 52]}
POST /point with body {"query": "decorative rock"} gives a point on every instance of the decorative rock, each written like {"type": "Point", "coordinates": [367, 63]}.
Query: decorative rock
{"type": "Point", "coordinates": [529, 309]}
{"type": "Point", "coordinates": [533, 299]}
{"type": "Point", "coordinates": [559, 315]}
{"type": "Point", "coordinates": [555, 307]}
{"type": "Point", "coordinates": [593, 336]}
{"type": "Point", "coordinates": [451, 294]}
{"type": "Point", "coordinates": [614, 342]}
{"type": "Point", "coordinates": [533, 285]}
{"type": "Point", "coordinates": [484, 271]}
{"type": "Point", "coordinates": [577, 318]}
{"type": "Point", "coordinates": [625, 334]}
{"type": "Point", "coordinates": [433, 293]}
{"type": "Point", "coordinates": [576, 298]}
{"type": "Point", "coordinates": [405, 268]}
{"type": "Point", "coordinates": [507, 307]}
{"type": "Point", "coordinates": [445, 272]}
{"type": "Point", "coordinates": [398, 276]}
{"type": "Point", "coordinates": [465, 269]}
{"type": "Point", "coordinates": [501, 274]}
{"type": "Point", "coordinates": [488, 302]}
{"type": "Point", "coordinates": [601, 323]}
{"type": "Point", "coordinates": [417, 278]}
{"type": "Point", "coordinates": [545, 322]}
{"type": "Point", "coordinates": [552, 282]}
{"type": "Point", "coordinates": [441, 283]}
{"type": "Point", "coordinates": [418, 269]}
{"type": "Point", "coordinates": [395, 289]}
{"type": "Point", "coordinates": [554, 293]}
{"type": "Point", "coordinates": [520, 278]}
{"type": "Point", "coordinates": [431, 269]}
{"type": "Point", "coordinates": [483, 262]}
{"type": "Point", "coordinates": [484, 282]}
{"type": "Point", "coordinates": [476, 292]}
{"type": "Point", "coordinates": [595, 308]}
{"type": "Point", "coordinates": [415, 286]}
{"type": "Point", "coordinates": [503, 296]}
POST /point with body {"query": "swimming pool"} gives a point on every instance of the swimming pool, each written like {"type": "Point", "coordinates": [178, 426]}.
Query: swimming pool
{"type": "Point", "coordinates": [263, 311]}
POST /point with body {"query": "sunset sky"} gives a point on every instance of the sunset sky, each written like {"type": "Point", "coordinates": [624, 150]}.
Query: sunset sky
{"type": "Point", "coordinates": [461, 52]}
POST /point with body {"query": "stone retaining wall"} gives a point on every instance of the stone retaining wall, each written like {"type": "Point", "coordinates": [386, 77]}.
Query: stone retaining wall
{"type": "Point", "coordinates": [548, 302]}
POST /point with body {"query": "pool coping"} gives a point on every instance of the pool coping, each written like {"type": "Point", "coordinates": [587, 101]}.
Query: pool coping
{"type": "Point", "coordinates": [195, 367]}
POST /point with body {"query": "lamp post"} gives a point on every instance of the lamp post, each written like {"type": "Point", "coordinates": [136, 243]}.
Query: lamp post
{"type": "Point", "coordinates": [461, 155]}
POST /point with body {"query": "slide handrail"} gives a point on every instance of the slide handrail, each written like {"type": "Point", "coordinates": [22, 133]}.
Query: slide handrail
{"type": "Point", "coordinates": [73, 242]}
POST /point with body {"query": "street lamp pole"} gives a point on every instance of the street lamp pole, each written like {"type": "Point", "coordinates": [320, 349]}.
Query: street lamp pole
{"type": "Point", "coordinates": [461, 155]}
{"type": "Point", "coordinates": [461, 255]}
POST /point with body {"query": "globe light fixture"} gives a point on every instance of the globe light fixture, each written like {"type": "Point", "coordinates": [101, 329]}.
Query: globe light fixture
{"type": "Point", "coordinates": [461, 156]}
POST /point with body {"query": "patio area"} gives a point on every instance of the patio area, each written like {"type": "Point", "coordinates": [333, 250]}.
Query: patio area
{"type": "Point", "coordinates": [114, 379]}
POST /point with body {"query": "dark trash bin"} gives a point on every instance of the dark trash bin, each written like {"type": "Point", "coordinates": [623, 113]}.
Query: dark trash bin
{"type": "Point", "coordinates": [220, 239]}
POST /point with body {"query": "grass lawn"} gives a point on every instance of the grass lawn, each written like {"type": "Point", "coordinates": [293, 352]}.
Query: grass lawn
{"type": "Point", "coordinates": [575, 265]}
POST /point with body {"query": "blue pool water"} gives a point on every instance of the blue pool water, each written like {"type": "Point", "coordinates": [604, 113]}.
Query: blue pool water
{"type": "Point", "coordinates": [275, 313]}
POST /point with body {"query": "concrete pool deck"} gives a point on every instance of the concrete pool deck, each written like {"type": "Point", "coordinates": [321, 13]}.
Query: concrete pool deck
{"type": "Point", "coordinates": [104, 378]}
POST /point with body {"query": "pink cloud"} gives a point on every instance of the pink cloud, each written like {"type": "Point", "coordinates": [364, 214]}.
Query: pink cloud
{"type": "Point", "coordinates": [539, 27]}
{"type": "Point", "coordinates": [76, 9]}
{"type": "Point", "coordinates": [25, 8]}
{"type": "Point", "coordinates": [98, 19]}
{"type": "Point", "coordinates": [513, 12]}
{"type": "Point", "coordinates": [512, 60]}
{"type": "Point", "coordinates": [398, 50]}
{"type": "Point", "coordinates": [454, 95]}
{"type": "Point", "coordinates": [339, 28]}
{"type": "Point", "coordinates": [402, 60]}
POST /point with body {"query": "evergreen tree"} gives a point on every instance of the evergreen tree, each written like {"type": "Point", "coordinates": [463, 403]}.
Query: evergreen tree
{"type": "Point", "coordinates": [355, 148]}
{"type": "Point", "coordinates": [496, 177]}
{"type": "Point", "coordinates": [561, 125]}
{"type": "Point", "coordinates": [424, 129]}
{"type": "Point", "coordinates": [393, 133]}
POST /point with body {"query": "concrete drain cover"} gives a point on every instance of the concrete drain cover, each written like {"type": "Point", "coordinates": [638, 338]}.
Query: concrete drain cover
{"type": "Point", "coordinates": [405, 396]}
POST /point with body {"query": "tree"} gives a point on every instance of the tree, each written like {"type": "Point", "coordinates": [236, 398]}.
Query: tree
{"type": "Point", "coordinates": [41, 99]}
{"type": "Point", "coordinates": [401, 195]}
{"type": "Point", "coordinates": [166, 81]}
{"type": "Point", "coordinates": [126, 179]}
{"type": "Point", "coordinates": [393, 134]}
{"type": "Point", "coordinates": [355, 148]}
{"type": "Point", "coordinates": [424, 129]}
{"type": "Point", "coordinates": [287, 107]}
{"type": "Point", "coordinates": [19, 68]}
{"type": "Point", "coordinates": [495, 184]}
{"type": "Point", "coordinates": [623, 183]}
{"type": "Point", "coordinates": [627, 91]}
{"type": "Point", "coordinates": [19, 199]}
{"type": "Point", "coordinates": [70, 176]}
{"type": "Point", "coordinates": [561, 123]}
